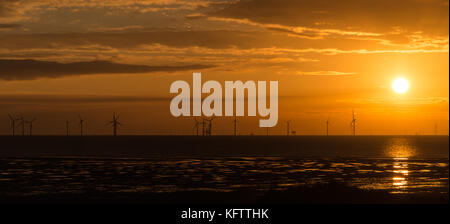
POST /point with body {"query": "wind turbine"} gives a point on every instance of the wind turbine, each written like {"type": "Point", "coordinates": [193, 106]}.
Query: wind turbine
{"type": "Point", "coordinates": [288, 123]}
{"type": "Point", "coordinates": [13, 124]}
{"type": "Point", "coordinates": [81, 124]}
{"type": "Point", "coordinates": [115, 122]}
{"type": "Point", "coordinates": [67, 127]}
{"type": "Point", "coordinates": [210, 125]}
{"type": "Point", "coordinates": [328, 123]}
{"type": "Point", "coordinates": [209, 129]}
{"type": "Point", "coordinates": [203, 123]}
{"type": "Point", "coordinates": [196, 126]}
{"type": "Point", "coordinates": [235, 126]}
{"type": "Point", "coordinates": [22, 123]}
{"type": "Point", "coordinates": [353, 123]}
{"type": "Point", "coordinates": [30, 123]}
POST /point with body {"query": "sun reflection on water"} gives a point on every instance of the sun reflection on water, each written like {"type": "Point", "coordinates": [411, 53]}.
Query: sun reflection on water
{"type": "Point", "coordinates": [400, 174]}
{"type": "Point", "coordinates": [400, 149]}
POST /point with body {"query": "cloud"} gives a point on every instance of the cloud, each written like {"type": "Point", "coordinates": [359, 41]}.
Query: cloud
{"type": "Point", "coordinates": [32, 69]}
{"type": "Point", "coordinates": [9, 26]}
{"type": "Point", "coordinates": [21, 99]}
{"type": "Point", "coordinates": [325, 73]}
{"type": "Point", "coordinates": [214, 39]}
{"type": "Point", "coordinates": [354, 15]}
{"type": "Point", "coordinates": [195, 16]}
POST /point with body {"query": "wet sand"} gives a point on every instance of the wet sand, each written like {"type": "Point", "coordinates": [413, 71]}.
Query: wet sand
{"type": "Point", "coordinates": [187, 170]}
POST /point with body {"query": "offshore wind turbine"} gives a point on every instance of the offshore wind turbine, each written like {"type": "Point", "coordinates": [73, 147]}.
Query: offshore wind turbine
{"type": "Point", "coordinates": [81, 124]}
{"type": "Point", "coordinates": [328, 123]}
{"type": "Point", "coordinates": [353, 123]}
{"type": "Point", "coordinates": [235, 125]}
{"type": "Point", "coordinates": [22, 124]}
{"type": "Point", "coordinates": [30, 123]}
{"type": "Point", "coordinates": [67, 127]}
{"type": "Point", "coordinates": [209, 128]}
{"type": "Point", "coordinates": [210, 125]}
{"type": "Point", "coordinates": [288, 127]}
{"type": "Point", "coordinates": [196, 125]}
{"type": "Point", "coordinates": [203, 123]}
{"type": "Point", "coordinates": [115, 122]}
{"type": "Point", "coordinates": [13, 124]}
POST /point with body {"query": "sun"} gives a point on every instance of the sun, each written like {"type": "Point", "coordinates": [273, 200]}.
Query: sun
{"type": "Point", "coordinates": [400, 85]}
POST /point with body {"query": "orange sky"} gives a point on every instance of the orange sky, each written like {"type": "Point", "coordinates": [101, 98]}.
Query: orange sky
{"type": "Point", "coordinates": [328, 57]}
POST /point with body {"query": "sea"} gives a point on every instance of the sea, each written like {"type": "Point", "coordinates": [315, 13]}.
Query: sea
{"type": "Point", "coordinates": [399, 165]}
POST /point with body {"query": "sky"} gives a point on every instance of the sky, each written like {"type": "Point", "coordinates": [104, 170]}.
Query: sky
{"type": "Point", "coordinates": [60, 59]}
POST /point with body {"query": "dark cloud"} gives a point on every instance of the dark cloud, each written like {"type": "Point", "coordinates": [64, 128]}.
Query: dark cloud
{"type": "Point", "coordinates": [9, 26]}
{"type": "Point", "coordinates": [210, 39]}
{"type": "Point", "coordinates": [216, 39]}
{"type": "Point", "coordinates": [367, 15]}
{"type": "Point", "coordinates": [73, 99]}
{"type": "Point", "coordinates": [32, 69]}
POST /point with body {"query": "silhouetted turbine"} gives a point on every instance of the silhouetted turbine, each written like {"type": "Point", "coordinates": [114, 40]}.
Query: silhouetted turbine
{"type": "Point", "coordinates": [288, 126]}
{"type": "Point", "coordinates": [81, 124]}
{"type": "Point", "coordinates": [67, 127]}
{"type": "Point", "coordinates": [30, 123]}
{"type": "Point", "coordinates": [196, 125]}
{"type": "Point", "coordinates": [22, 123]}
{"type": "Point", "coordinates": [328, 123]}
{"type": "Point", "coordinates": [208, 129]}
{"type": "Point", "coordinates": [353, 123]}
{"type": "Point", "coordinates": [115, 122]}
{"type": "Point", "coordinates": [13, 124]}
{"type": "Point", "coordinates": [235, 126]}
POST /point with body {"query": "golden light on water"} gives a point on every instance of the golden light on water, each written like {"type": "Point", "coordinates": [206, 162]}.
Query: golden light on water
{"type": "Point", "coordinates": [400, 149]}
{"type": "Point", "coordinates": [400, 85]}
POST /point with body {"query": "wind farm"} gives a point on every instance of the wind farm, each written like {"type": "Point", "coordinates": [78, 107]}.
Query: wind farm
{"type": "Point", "coordinates": [201, 126]}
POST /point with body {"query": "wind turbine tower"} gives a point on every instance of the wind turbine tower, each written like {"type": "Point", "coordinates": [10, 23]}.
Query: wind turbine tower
{"type": "Point", "coordinates": [328, 123]}
{"type": "Point", "coordinates": [81, 124]}
{"type": "Point", "coordinates": [13, 124]}
{"type": "Point", "coordinates": [67, 127]}
{"type": "Point", "coordinates": [353, 123]}
{"type": "Point", "coordinates": [22, 124]}
{"type": "Point", "coordinates": [115, 122]}
{"type": "Point", "coordinates": [196, 126]}
{"type": "Point", "coordinates": [235, 126]}
{"type": "Point", "coordinates": [288, 126]}
{"type": "Point", "coordinates": [203, 127]}
{"type": "Point", "coordinates": [30, 123]}
{"type": "Point", "coordinates": [207, 126]}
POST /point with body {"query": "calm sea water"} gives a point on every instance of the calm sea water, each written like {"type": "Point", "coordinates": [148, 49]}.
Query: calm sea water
{"type": "Point", "coordinates": [403, 168]}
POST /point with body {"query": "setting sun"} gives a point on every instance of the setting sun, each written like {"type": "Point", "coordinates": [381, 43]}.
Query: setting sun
{"type": "Point", "coordinates": [400, 85]}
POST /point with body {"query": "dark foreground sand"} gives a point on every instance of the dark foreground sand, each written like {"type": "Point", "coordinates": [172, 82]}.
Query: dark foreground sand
{"type": "Point", "coordinates": [167, 147]}
{"type": "Point", "coordinates": [319, 194]}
